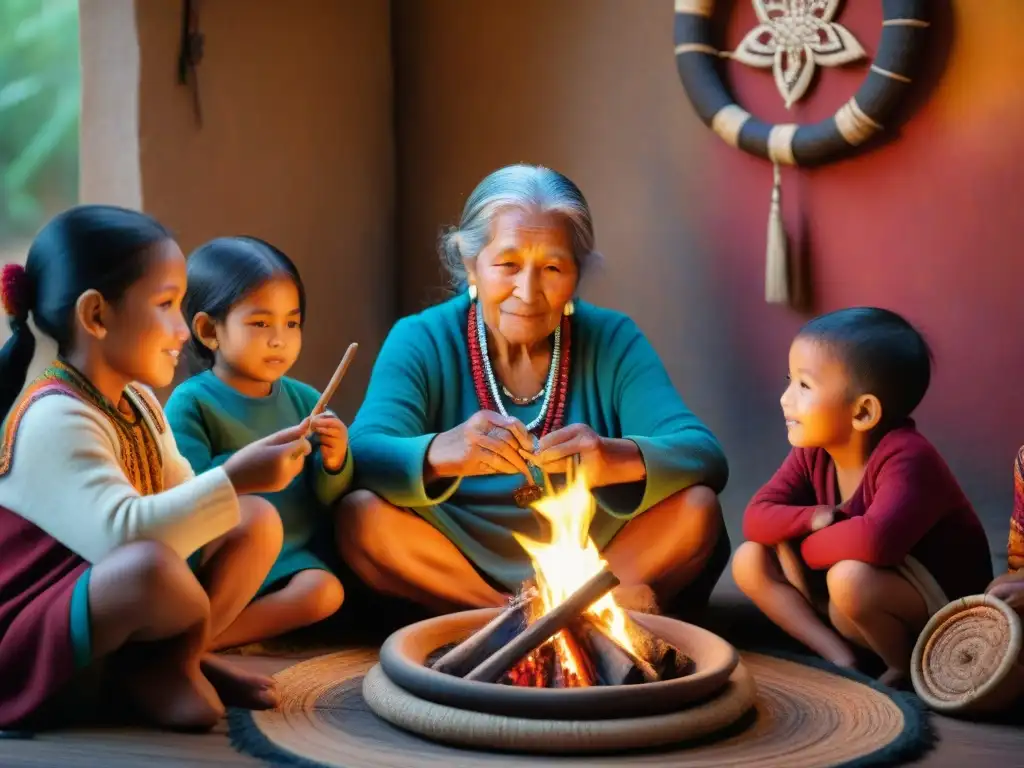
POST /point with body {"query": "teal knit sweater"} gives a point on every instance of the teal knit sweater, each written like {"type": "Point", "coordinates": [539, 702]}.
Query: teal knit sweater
{"type": "Point", "coordinates": [422, 385]}
{"type": "Point", "coordinates": [211, 420]}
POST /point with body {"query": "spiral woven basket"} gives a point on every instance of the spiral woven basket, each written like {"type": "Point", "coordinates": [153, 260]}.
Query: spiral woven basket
{"type": "Point", "coordinates": [967, 659]}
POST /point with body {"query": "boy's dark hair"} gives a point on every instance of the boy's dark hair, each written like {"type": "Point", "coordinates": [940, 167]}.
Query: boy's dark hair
{"type": "Point", "coordinates": [883, 353]}
{"type": "Point", "coordinates": [89, 247]}
{"type": "Point", "coordinates": [222, 273]}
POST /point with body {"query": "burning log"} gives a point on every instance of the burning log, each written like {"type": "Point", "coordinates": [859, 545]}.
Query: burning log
{"type": "Point", "coordinates": [490, 638]}
{"type": "Point", "coordinates": [613, 664]}
{"type": "Point", "coordinates": [584, 675]}
{"type": "Point", "coordinates": [545, 627]}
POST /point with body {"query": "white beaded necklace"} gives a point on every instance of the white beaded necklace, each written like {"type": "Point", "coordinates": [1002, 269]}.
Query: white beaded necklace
{"type": "Point", "coordinates": [492, 382]}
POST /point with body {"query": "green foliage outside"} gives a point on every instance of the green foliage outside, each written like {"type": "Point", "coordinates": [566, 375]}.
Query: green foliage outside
{"type": "Point", "coordinates": [40, 85]}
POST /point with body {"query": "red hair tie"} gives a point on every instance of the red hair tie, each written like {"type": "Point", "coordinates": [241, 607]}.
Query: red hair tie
{"type": "Point", "coordinates": [14, 291]}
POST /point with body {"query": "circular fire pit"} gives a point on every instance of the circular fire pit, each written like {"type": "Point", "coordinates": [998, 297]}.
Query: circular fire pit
{"type": "Point", "coordinates": [563, 667]}
{"type": "Point", "coordinates": [404, 655]}
{"type": "Point", "coordinates": [407, 693]}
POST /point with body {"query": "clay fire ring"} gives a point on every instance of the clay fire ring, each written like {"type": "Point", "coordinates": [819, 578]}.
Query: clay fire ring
{"type": "Point", "coordinates": [404, 654]}
{"type": "Point", "coordinates": [967, 658]}
{"type": "Point", "coordinates": [487, 731]}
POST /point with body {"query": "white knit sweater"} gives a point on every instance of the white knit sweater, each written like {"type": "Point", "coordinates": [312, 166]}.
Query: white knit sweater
{"type": "Point", "coordinates": [66, 477]}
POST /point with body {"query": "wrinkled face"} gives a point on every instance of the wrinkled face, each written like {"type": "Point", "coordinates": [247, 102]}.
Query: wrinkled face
{"type": "Point", "coordinates": [261, 337]}
{"type": "Point", "coordinates": [525, 275]}
{"type": "Point", "coordinates": [817, 404]}
{"type": "Point", "coordinates": [145, 329]}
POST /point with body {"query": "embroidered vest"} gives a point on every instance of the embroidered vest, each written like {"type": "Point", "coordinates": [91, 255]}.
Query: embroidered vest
{"type": "Point", "coordinates": [136, 429]}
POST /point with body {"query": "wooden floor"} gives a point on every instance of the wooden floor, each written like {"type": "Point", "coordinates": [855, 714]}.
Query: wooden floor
{"type": "Point", "coordinates": [961, 744]}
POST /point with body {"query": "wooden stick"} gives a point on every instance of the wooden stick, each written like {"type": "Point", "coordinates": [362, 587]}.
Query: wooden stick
{"type": "Point", "coordinates": [549, 488]}
{"type": "Point", "coordinates": [488, 639]}
{"type": "Point", "coordinates": [613, 664]}
{"type": "Point", "coordinates": [571, 465]}
{"type": "Point", "coordinates": [668, 661]}
{"type": "Point", "coordinates": [546, 626]}
{"type": "Point", "coordinates": [339, 374]}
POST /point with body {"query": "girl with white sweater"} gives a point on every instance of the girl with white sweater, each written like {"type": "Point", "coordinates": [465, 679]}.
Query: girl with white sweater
{"type": "Point", "coordinates": [98, 510]}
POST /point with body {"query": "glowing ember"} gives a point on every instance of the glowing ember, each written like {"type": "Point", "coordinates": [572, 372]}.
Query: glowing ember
{"type": "Point", "coordinates": [565, 563]}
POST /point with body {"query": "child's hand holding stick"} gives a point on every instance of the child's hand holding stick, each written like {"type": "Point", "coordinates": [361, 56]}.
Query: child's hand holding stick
{"type": "Point", "coordinates": [332, 387]}
{"type": "Point", "coordinates": [339, 374]}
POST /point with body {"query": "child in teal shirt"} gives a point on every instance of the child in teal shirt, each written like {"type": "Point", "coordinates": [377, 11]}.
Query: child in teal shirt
{"type": "Point", "coordinates": [245, 305]}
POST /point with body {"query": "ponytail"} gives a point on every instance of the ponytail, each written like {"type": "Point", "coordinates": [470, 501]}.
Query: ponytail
{"type": "Point", "coordinates": [16, 354]}
{"type": "Point", "coordinates": [15, 358]}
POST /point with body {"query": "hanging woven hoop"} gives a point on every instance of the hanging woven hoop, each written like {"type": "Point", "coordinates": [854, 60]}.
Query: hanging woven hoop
{"type": "Point", "coordinates": [904, 34]}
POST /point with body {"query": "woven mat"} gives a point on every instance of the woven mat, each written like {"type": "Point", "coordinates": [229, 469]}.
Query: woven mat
{"type": "Point", "coordinates": [807, 715]}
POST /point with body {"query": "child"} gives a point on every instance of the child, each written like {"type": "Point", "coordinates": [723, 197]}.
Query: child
{"type": "Point", "coordinates": [245, 306]}
{"type": "Point", "coordinates": [98, 511]}
{"type": "Point", "coordinates": [1009, 587]}
{"type": "Point", "coordinates": [863, 497]}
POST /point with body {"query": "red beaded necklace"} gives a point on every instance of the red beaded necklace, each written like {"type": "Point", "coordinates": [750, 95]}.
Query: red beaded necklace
{"type": "Point", "coordinates": [554, 419]}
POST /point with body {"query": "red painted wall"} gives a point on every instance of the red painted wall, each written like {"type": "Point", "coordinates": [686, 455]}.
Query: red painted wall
{"type": "Point", "coordinates": [927, 224]}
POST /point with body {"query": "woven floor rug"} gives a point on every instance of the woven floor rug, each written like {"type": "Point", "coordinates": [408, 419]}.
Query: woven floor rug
{"type": "Point", "coordinates": [808, 714]}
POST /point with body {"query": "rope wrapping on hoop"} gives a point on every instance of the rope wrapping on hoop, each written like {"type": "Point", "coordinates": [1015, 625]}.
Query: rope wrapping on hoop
{"type": "Point", "coordinates": [855, 123]}
{"type": "Point", "coordinates": [904, 34]}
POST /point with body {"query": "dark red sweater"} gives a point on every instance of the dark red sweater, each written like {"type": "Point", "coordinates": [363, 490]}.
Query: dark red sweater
{"type": "Point", "coordinates": [908, 503]}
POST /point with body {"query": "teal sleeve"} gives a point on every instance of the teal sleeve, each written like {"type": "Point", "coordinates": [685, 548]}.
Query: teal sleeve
{"type": "Point", "coordinates": [678, 450]}
{"type": "Point", "coordinates": [186, 422]}
{"type": "Point", "coordinates": [326, 485]}
{"type": "Point", "coordinates": [391, 433]}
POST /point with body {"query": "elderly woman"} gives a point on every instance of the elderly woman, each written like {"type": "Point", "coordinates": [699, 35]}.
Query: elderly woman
{"type": "Point", "coordinates": [460, 391]}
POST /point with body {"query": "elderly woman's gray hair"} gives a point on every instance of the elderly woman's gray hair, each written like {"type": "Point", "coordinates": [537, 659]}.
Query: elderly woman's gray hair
{"type": "Point", "coordinates": [526, 187]}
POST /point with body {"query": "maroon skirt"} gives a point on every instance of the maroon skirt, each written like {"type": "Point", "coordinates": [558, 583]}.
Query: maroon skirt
{"type": "Point", "coordinates": [37, 659]}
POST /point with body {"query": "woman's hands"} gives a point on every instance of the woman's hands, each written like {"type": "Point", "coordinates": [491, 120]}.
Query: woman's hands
{"type": "Point", "coordinates": [489, 443]}
{"type": "Point", "coordinates": [269, 464]}
{"type": "Point", "coordinates": [603, 460]}
{"type": "Point", "coordinates": [485, 444]}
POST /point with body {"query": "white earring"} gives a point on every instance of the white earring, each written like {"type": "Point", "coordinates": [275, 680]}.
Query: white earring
{"type": "Point", "coordinates": [472, 292]}
{"type": "Point", "coordinates": [569, 308]}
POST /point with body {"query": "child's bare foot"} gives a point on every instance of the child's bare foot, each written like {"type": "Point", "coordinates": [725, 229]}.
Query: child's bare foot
{"type": "Point", "coordinates": [894, 678]}
{"type": "Point", "coordinates": [239, 688]}
{"type": "Point", "coordinates": [172, 697]}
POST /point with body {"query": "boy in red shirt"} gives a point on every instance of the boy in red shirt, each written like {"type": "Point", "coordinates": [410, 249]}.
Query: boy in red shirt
{"type": "Point", "coordinates": [863, 532]}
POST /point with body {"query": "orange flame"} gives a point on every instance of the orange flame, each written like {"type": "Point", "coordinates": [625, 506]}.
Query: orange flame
{"type": "Point", "coordinates": [566, 562]}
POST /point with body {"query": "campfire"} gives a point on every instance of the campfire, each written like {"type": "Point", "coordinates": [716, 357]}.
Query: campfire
{"type": "Point", "coordinates": [565, 629]}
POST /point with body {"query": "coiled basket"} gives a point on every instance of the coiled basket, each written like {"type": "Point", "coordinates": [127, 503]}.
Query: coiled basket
{"type": "Point", "coordinates": [967, 660]}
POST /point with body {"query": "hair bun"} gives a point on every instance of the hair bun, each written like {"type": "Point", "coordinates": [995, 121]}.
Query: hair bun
{"type": "Point", "coordinates": [14, 291]}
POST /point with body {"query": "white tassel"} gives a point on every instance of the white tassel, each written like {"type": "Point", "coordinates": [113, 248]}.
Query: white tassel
{"type": "Point", "coordinates": [776, 278]}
